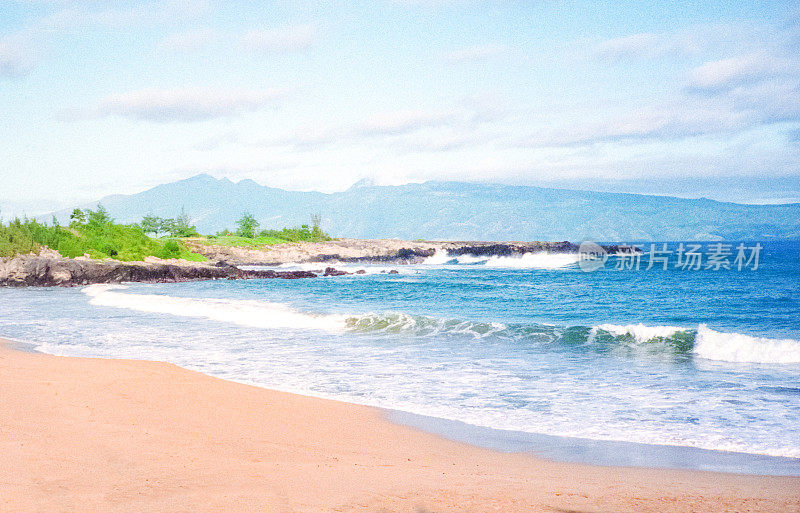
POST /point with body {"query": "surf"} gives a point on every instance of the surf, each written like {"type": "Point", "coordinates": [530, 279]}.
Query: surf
{"type": "Point", "coordinates": [242, 312]}
{"type": "Point", "coordinates": [534, 260]}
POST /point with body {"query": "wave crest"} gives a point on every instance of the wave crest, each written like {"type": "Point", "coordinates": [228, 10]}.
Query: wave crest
{"type": "Point", "coordinates": [736, 347]}
{"type": "Point", "coordinates": [538, 260]}
{"type": "Point", "coordinates": [702, 342]}
{"type": "Point", "coordinates": [255, 314]}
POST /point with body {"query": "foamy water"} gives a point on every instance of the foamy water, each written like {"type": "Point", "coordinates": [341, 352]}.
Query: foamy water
{"type": "Point", "coordinates": [255, 314]}
{"type": "Point", "coordinates": [707, 343]}
{"type": "Point", "coordinates": [736, 347]}
{"type": "Point", "coordinates": [537, 260]}
{"type": "Point", "coordinates": [677, 359]}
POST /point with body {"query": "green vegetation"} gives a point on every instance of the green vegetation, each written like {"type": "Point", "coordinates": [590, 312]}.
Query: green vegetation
{"type": "Point", "coordinates": [178, 227]}
{"type": "Point", "coordinates": [244, 242]}
{"type": "Point", "coordinates": [90, 232]}
{"type": "Point", "coordinates": [94, 233]}
{"type": "Point", "coordinates": [247, 236]}
{"type": "Point", "coordinates": [247, 226]}
{"type": "Point", "coordinates": [302, 234]}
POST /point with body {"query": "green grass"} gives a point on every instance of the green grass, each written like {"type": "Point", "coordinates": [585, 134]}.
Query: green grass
{"type": "Point", "coordinates": [93, 233]}
{"type": "Point", "coordinates": [244, 242]}
{"type": "Point", "coordinates": [98, 240]}
{"type": "Point", "coordinates": [269, 237]}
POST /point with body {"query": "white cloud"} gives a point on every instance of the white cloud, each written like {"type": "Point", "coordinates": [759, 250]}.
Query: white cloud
{"type": "Point", "coordinates": [446, 142]}
{"type": "Point", "coordinates": [280, 40]}
{"type": "Point", "coordinates": [690, 41]}
{"type": "Point", "coordinates": [763, 87]}
{"type": "Point", "coordinates": [409, 130]}
{"type": "Point", "coordinates": [739, 70]}
{"type": "Point", "coordinates": [187, 41]}
{"type": "Point", "coordinates": [78, 16]}
{"type": "Point", "coordinates": [20, 50]}
{"type": "Point", "coordinates": [682, 118]}
{"type": "Point", "coordinates": [436, 3]}
{"type": "Point", "coordinates": [649, 45]}
{"type": "Point", "coordinates": [164, 105]}
{"type": "Point", "coordinates": [633, 45]}
{"type": "Point", "coordinates": [404, 121]}
{"type": "Point", "coordinates": [43, 2]}
{"type": "Point", "coordinates": [475, 53]}
{"type": "Point", "coordinates": [15, 61]}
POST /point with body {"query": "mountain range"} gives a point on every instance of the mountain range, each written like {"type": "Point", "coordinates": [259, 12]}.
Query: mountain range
{"type": "Point", "coordinates": [460, 211]}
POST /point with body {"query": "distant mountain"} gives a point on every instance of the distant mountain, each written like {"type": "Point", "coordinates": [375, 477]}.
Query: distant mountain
{"type": "Point", "coordinates": [461, 211]}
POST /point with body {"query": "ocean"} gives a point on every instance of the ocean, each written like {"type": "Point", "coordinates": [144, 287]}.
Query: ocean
{"type": "Point", "coordinates": [690, 367]}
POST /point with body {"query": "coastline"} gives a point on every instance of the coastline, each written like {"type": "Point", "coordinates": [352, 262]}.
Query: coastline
{"type": "Point", "coordinates": [48, 268]}
{"type": "Point", "coordinates": [610, 453]}
{"type": "Point", "coordinates": [130, 435]}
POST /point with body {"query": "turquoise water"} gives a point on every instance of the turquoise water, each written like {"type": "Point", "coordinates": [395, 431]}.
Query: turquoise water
{"type": "Point", "coordinates": [692, 359]}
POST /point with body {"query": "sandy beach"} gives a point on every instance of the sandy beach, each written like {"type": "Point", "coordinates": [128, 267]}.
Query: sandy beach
{"type": "Point", "coordinates": [95, 435]}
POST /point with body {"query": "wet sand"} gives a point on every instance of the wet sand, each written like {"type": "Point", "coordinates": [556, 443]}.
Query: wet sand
{"type": "Point", "coordinates": [93, 435]}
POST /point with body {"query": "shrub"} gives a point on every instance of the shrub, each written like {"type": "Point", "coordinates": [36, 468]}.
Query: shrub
{"type": "Point", "coordinates": [108, 248]}
{"type": "Point", "coordinates": [98, 237]}
{"type": "Point", "coordinates": [171, 249]}
{"type": "Point", "coordinates": [247, 226]}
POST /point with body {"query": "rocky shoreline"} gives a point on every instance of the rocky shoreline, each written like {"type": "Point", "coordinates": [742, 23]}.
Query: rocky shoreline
{"type": "Point", "coordinates": [394, 251]}
{"type": "Point", "coordinates": [48, 268]}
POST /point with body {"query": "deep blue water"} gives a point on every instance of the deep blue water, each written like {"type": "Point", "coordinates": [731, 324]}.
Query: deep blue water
{"type": "Point", "coordinates": [690, 358]}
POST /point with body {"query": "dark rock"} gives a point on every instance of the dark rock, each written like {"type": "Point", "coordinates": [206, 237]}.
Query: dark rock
{"type": "Point", "coordinates": [45, 271]}
{"type": "Point", "coordinates": [394, 271]}
{"type": "Point", "coordinates": [361, 271]}
{"type": "Point", "coordinates": [330, 271]}
{"type": "Point", "coordinates": [293, 275]}
{"type": "Point", "coordinates": [406, 253]}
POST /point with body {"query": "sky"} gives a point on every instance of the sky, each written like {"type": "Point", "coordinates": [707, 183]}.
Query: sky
{"type": "Point", "coordinates": [692, 99]}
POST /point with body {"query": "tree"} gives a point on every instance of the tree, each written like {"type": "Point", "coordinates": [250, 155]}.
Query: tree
{"type": "Point", "coordinates": [247, 226]}
{"type": "Point", "coordinates": [151, 224]}
{"type": "Point", "coordinates": [166, 225]}
{"type": "Point", "coordinates": [98, 218]}
{"type": "Point", "coordinates": [182, 228]}
{"type": "Point", "coordinates": [316, 231]}
{"type": "Point", "coordinates": [77, 216]}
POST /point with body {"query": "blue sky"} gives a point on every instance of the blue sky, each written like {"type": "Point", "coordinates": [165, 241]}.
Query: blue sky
{"type": "Point", "coordinates": [682, 98]}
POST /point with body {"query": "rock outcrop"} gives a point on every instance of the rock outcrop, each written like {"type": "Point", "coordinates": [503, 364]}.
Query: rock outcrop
{"type": "Point", "coordinates": [48, 269]}
{"type": "Point", "coordinates": [376, 251]}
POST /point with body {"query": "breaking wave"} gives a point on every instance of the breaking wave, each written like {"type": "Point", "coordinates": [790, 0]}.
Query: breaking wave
{"type": "Point", "coordinates": [736, 347]}
{"type": "Point", "coordinates": [539, 260]}
{"type": "Point", "coordinates": [255, 314]}
{"type": "Point", "coordinates": [701, 342]}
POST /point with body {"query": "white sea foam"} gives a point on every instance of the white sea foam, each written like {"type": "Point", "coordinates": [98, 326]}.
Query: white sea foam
{"type": "Point", "coordinates": [440, 257]}
{"type": "Point", "coordinates": [264, 314]}
{"type": "Point", "coordinates": [256, 314]}
{"type": "Point", "coordinates": [715, 345]}
{"type": "Point", "coordinates": [418, 325]}
{"type": "Point", "coordinates": [736, 347]}
{"type": "Point", "coordinates": [539, 260]}
{"type": "Point", "coordinates": [447, 378]}
{"type": "Point", "coordinates": [708, 344]}
{"type": "Point", "coordinates": [349, 267]}
{"type": "Point", "coordinates": [640, 332]}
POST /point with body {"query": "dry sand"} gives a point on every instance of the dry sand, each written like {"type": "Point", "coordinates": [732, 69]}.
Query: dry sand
{"type": "Point", "coordinates": [91, 435]}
